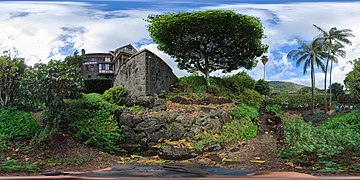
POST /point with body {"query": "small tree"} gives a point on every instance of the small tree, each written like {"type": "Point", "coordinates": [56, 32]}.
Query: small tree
{"type": "Point", "coordinates": [11, 68]}
{"type": "Point", "coordinates": [337, 89]}
{"type": "Point", "coordinates": [51, 83]}
{"type": "Point", "coordinates": [207, 41]}
{"type": "Point", "coordinates": [352, 80]}
{"type": "Point", "coordinates": [262, 87]}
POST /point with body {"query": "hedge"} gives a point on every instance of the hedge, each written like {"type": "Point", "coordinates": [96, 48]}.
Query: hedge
{"type": "Point", "coordinates": [98, 85]}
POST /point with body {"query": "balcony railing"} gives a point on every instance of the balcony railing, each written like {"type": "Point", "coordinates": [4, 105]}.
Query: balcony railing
{"type": "Point", "coordinates": [106, 71]}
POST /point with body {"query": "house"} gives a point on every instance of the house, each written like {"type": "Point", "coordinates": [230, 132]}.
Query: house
{"type": "Point", "coordinates": [142, 73]}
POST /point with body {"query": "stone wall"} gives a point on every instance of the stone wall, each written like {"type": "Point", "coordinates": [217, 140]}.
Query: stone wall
{"type": "Point", "coordinates": [159, 75]}
{"type": "Point", "coordinates": [132, 75]}
{"type": "Point", "coordinates": [142, 131]}
{"type": "Point", "coordinates": [145, 74]}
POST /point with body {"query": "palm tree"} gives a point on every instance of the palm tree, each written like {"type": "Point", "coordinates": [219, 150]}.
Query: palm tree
{"type": "Point", "coordinates": [311, 55]}
{"type": "Point", "coordinates": [333, 41]}
{"type": "Point", "coordinates": [264, 60]}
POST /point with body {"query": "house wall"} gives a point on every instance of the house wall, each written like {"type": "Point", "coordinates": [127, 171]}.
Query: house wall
{"type": "Point", "coordinates": [145, 74]}
{"type": "Point", "coordinates": [159, 75]}
{"type": "Point", "coordinates": [132, 75]}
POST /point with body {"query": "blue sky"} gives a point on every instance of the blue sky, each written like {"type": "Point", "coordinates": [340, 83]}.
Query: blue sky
{"type": "Point", "coordinates": [43, 30]}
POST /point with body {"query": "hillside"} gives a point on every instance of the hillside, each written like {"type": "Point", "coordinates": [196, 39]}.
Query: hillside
{"type": "Point", "coordinates": [281, 86]}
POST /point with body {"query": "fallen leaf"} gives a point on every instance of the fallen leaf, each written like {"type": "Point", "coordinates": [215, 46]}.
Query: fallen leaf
{"type": "Point", "coordinates": [8, 158]}
{"type": "Point", "coordinates": [290, 164]}
{"type": "Point", "coordinates": [298, 167]}
{"type": "Point", "coordinates": [257, 158]}
{"type": "Point", "coordinates": [158, 146]}
{"type": "Point", "coordinates": [257, 161]}
{"type": "Point", "coordinates": [16, 150]}
{"type": "Point", "coordinates": [133, 156]}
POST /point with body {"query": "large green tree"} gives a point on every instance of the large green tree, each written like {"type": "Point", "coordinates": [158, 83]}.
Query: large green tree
{"type": "Point", "coordinates": [11, 68]}
{"type": "Point", "coordinates": [311, 55]}
{"type": "Point", "coordinates": [352, 80]}
{"type": "Point", "coordinates": [75, 59]}
{"type": "Point", "coordinates": [337, 89]}
{"type": "Point", "coordinates": [333, 42]}
{"type": "Point", "coordinates": [207, 41]}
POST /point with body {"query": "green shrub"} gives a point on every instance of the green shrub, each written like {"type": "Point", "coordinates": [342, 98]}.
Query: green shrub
{"type": "Point", "coordinates": [251, 97]}
{"type": "Point", "coordinates": [306, 144]}
{"type": "Point", "coordinates": [115, 95]}
{"type": "Point", "coordinates": [91, 120]}
{"type": "Point", "coordinates": [348, 120]}
{"type": "Point", "coordinates": [273, 109]}
{"type": "Point", "coordinates": [239, 82]}
{"type": "Point", "coordinates": [318, 116]}
{"type": "Point", "coordinates": [262, 87]}
{"type": "Point", "coordinates": [244, 111]}
{"type": "Point", "coordinates": [97, 85]}
{"type": "Point", "coordinates": [14, 165]}
{"type": "Point", "coordinates": [295, 100]}
{"type": "Point", "coordinates": [17, 124]}
{"type": "Point", "coordinates": [234, 131]}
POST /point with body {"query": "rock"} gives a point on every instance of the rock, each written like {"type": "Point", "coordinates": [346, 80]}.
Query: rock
{"type": "Point", "coordinates": [213, 125]}
{"type": "Point", "coordinates": [213, 147]}
{"type": "Point", "coordinates": [184, 120]}
{"type": "Point", "coordinates": [176, 130]}
{"type": "Point", "coordinates": [172, 153]}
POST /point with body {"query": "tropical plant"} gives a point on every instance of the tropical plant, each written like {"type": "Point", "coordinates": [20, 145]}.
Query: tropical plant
{"type": "Point", "coordinates": [207, 41]}
{"type": "Point", "coordinates": [311, 55]}
{"type": "Point", "coordinates": [352, 79]}
{"type": "Point", "coordinates": [115, 95]}
{"type": "Point", "coordinates": [264, 59]}
{"type": "Point", "coordinates": [11, 68]}
{"type": "Point", "coordinates": [333, 43]}
{"type": "Point", "coordinates": [262, 87]}
{"type": "Point", "coordinates": [50, 84]}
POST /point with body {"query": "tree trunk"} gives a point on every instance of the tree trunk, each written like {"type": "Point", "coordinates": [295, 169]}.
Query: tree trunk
{"type": "Point", "coordinates": [330, 81]}
{"type": "Point", "coordinates": [313, 85]}
{"type": "Point", "coordinates": [1, 100]}
{"type": "Point", "coordinates": [207, 73]}
{"type": "Point", "coordinates": [325, 95]}
{"type": "Point", "coordinates": [264, 72]}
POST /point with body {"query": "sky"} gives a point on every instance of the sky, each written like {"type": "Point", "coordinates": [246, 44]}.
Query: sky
{"type": "Point", "coordinates": [43, 30]}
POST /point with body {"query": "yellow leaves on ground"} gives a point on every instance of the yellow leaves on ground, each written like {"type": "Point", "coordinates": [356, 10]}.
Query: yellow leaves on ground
{"type": "Point", "coordinates": [182, 143]}
{"type": "Point", "coordinates": [257, 161]}
{"type": "Point", "coordinates": [293, 165]}
{"type": "Point", "coordinates": [157, 146]}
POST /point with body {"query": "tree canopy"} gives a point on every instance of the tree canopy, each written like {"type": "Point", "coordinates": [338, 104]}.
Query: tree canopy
{"type": "Point", "coordinates": [337, 89]}
{"type": "Point", "coordinates": [11, 67]}
{"type": "Point", "coordinates": [207, 41]}
{"type": "Point", "coordinates": [352, 79]}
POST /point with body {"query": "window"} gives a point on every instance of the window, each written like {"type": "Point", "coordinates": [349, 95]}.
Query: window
{"type": "Point", "coordinates": [92, 68]}
{"type": "Point", "coordinates": [89, 76]}
{"type": "Point", "coordinates": [111, 67]}
{"type": "Point", "coordinates": [102, 66]}
{"type": "Point", "coordinates": [87, 68]}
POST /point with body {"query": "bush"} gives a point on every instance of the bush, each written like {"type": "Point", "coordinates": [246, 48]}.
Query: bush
{"type": "Point", "coordinates": [315, 146]}
{"type": "Point", "coordinates": [251, 97]}
{"type": "Point", "coordinates": [244, 111]}
{"type": "Point", "coordinates": [349, 120]}
{"type": "Point", "coordinates": [273, 109]}
{"type": "Point", "coordinates": [91, 120]}
{"type": "Point", "coordinates": [97, 85]}
{"type": "Point", "coordinates": [17, 124]}
{"type": "Point", "coordinates": [115, 95]}
{"type": "Point", "coordinates": [239, 82]}
{"type": "Point", "coordinates": [262, 87]}
{"type": "Point", "coordinates": [318, 116]}
{"type": "Point", "coordinates": [295, 100]}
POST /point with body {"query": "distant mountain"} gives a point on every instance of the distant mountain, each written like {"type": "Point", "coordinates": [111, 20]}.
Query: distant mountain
{"type": "Point", "coordinates": [281, 86]}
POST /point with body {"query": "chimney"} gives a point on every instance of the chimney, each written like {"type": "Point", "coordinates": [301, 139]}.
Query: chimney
{"type": "Point", "coordinates": [82, 52]}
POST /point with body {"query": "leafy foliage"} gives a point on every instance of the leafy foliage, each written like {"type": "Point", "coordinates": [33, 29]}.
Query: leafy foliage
{"type": "Point", "coordinates": [115, 95]}
{"type": "Point", "coordinates": [337, 89]}
{"type": "Point", "coordinates": [239, 82]}
{"type": "Point", "coordinates": [295, 100]}
{"type": "Point", "coordinates": [245, 111]}
{"type": "Point", "coordinates": [273, 109]}
{"type": "Point", "coordinates": [352, 79]}
{"type": "Point", "coordinates": [50, 84]}
{"type": "Point", "coordinates": [210, 40]}
{"type": "Point", "coordinates": [97, 85]}
{"type": "Point", "coordinates": [75, 59]}
{"type": "Point", "coordinates": [316, 117]}
{"type": "Point", "coordinates": [91, 120]}
{"type": "Point", "coordinates": [17, 124]}
{"type": "Point", "coordinates": [251, 97]}
{"type": "Point", "coordinates": [14, 165]}
{"type": "Point", "coordinates": [262, 87]}
{"type": "Point", "coordinates": [307, 89]}
{"type": "Point", "coordinates": [11, 68]}
{"type": "Point", "coordinates": [318, 146]}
